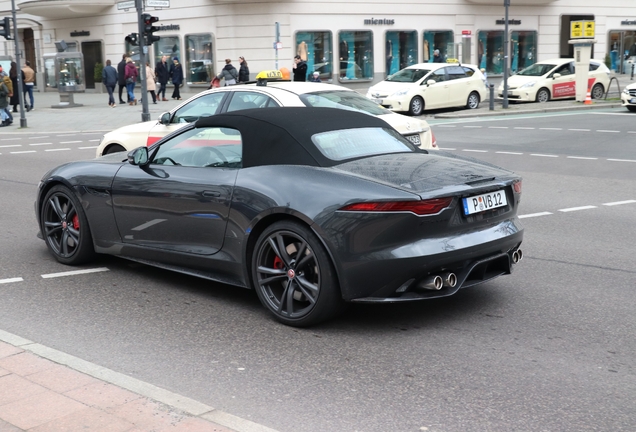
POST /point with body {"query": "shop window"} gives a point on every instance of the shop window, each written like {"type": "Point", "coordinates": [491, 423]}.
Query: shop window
{"type": "Point", "coordinates": [400, 51]}
{"type": "Point", "coordinates": [523, 50]}
{"type": "Point", "coordinates": [622, 50]}
{"type": "Point", "coordinates": [316, 49]}
{"type": "Point", "coordinates": [490, 51]}
{"type": "Point", "coordinates": [199, 67]}
{"type": "Point", "coordinates": [355, 52]}
{"type": "Point", "coordinates": [442, 40]}
{"type": "Point", "coordinates": [167, 46]}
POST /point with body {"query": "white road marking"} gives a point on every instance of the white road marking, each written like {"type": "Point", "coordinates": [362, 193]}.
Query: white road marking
{"type": "Point", "coordinates": [510, 153]}
{"type": "Point", "coordinates": [85, 148]}
{"type": "Point", "coordinates": [57, 149]}
{"type": "Point", "coordinates": [579, 130]}
{"type": "Point", "coordinates": [620, 203]}
{"type": "Point", "coordinates": [543, 155]}
{"type": "Point", "coordinates": [65, 135]}
{"type": "Point", "coordinates": [447, 148]}
{"type": "Point", "coordinates": [551, 128]}
{"type": "Point", "coordinates": [10, 139]}
{"type": "Point", "coordinates": [524, 128]}
{"type": "Point", "coordinates": [39, 144]}
{"type": "Point", "coordinates": [70, 142]}
{"type": "Point", "coordinates": [582, 157]}
{"type": "Point", "coordinates": [38, 137]}
{"type": "Point", "coordinates": [571, 209]}
{"type": "Point", "coordinates": [608, 131]}
{"type": "Point", "coordinates": [621, 160]}
{"type": "Point", "coordinates": [75, 272]}
{"type": "Point", "coordinates": [534, 215]}
{"type": "Point", "coordinates": [26, 151]}
{"type": "Point", "coordinates": [447, 126]}
{"type": "Point", "coordinates": [11, 280]}
{"type": "Point", "coordinates": [475, 151]}
{"type": "Point", "coordinates": [631, 131]}
{"type": "Point", "coordinates": [10, 145]}
{"type": "Point", "coordinates": [497, 127]}
{"type": "Point", "coordinates": [96, 140]}
{"type": "Point", "coordinates": [474, 127]}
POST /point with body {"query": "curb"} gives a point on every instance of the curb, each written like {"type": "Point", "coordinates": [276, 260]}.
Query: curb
{"type": "Point", "coordinates": [502, 112]}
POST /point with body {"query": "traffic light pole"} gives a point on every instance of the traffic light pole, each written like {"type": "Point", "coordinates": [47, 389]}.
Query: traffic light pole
{"type": "Point", "coordinates": [145, 115]}
{"type": "Point", "coordinates": [23, 120]}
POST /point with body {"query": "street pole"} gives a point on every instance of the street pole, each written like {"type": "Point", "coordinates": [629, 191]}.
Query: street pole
{"type": "Point", "coordinates": [23, 120]}
{"type": "Point", "coordinates": [277, 37]}
{"type": "Point", "coordinates": [145, 115]}
{"type": "Point", "coordinates": [506, 47]}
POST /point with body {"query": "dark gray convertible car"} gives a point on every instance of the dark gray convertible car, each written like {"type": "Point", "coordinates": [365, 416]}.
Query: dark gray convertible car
{"type": "Point", "coordinates": [311, 207]}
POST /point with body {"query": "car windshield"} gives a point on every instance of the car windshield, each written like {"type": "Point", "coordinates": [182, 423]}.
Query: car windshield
{"type": "Point", "coordinates": [408, 75]}
{"type": "Point", "coordinates": [354, 143]}
{"type": "Point", "coordinates": [343, 99]}
{"type": "Point", "coordinates": [538, 69]}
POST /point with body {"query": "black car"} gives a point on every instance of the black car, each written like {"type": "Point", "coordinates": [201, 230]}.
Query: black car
{"type": "Point", "coordinates": [311, 207]}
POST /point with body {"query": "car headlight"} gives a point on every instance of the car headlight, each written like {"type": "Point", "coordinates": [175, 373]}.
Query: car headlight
{"type": "Point", "coordinates": [626, 91]}
{"type": "Point", "coordinates": [400, 93]}
{"type": "Point", "coordinates": [528, 84]}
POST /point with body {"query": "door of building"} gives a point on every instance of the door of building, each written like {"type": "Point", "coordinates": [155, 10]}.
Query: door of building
{"type": "Point", "coordinates": [92, 52]}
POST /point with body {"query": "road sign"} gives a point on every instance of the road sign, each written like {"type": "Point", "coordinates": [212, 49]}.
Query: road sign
{"type": "Point", "coordinates": [588, 29]}
{"type": "Point", "coordinates": [466, 32]}
{"type": "Point", "coordinates": [582, 29]}
{"type": "Point", "coordinates": [126, 5]}
{"type": "Point", "coordinates": [158, 3]}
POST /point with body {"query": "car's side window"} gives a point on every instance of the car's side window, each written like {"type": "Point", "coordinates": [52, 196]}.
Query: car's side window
{"type": "Point", "coordinates": [203, 106]}
{"type": "Point", "coordinates": [594, 66]}
{"type": "Point", "coordinates": [438, 75]}
{"type": "Point", "coordinates": [468, 71]}
{"type": "Point", "coordinates": [566, 69]}
{"type": "Point", "coordinates": [455, 72]}
{"type": "Point", "coordinates": [246, 100]}
{"type": "Point", "coordinates": [213, 147]}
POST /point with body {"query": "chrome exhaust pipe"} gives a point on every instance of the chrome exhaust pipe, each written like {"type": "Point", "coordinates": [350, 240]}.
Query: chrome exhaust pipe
{"type": "Point", "coordinates": [517, 256]}
{"type": "Point", "coordinates": [432, 283]}
{"type": "Point", "coordinates": [450, 280]}
{"type": "Point", "coordinates": [520, 254]}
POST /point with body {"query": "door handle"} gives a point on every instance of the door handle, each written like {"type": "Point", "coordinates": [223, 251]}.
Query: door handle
{"type": "Point", "coordinates": [211, 194]}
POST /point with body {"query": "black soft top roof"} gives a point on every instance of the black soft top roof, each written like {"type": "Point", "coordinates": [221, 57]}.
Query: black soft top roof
{"type": "Point", "coordinates": [282, 136]}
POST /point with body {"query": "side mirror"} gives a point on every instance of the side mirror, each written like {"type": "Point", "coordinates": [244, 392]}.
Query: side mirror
{"type": "Point", "coordinates": [430, 82]}
{"type": "Point", "coordinates": [556, 75]}
{"type": "Point", "coordinates": [138, 156]}
{"type": "Point", "coordinates": [164, 119]}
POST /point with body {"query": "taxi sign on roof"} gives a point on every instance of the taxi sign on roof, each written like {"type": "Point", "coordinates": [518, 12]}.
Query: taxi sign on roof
{"type": "Point", "coordinates": [269, 74]}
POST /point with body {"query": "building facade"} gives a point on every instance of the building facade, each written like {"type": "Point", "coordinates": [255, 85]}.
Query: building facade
{"type": "Point", "coordinates": [350, 42]}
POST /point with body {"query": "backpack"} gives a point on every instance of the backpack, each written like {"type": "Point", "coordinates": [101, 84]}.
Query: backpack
{"type": "Point", "coordinates": [8, 83]}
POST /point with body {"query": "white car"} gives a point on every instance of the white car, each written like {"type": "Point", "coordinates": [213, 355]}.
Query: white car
{"type": "Point", "coordinates": [628, 97]}
{"type": "Point", "coordinates": [430, 86]}
{"type": "Point", "coordinates": [554, 79]}
{"type": "Point", "coordinates": [272, 95]}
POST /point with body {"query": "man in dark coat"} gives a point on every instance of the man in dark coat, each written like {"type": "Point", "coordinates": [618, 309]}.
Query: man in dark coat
{"type": "Point", "coordinates": [176, 73]}
{"type": "Point", "coordinates": [300, 69]}
{"type": "Point", "coordinates": [162, 73]}
{"type": "Point", "coordinates": [121, 77]}
{"type": "Point", "coordinates": [110, 78]}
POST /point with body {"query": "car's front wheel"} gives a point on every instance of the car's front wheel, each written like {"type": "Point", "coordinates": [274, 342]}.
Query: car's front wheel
{"type": "Point", "coordinates": [473, 101]}
{"type": "Point", "coordinates": [115, 148]}
{"type": "Point", "coordinates": [293, 275]}
{"type": "Point", "coordinates": [416, 106]}
{"type": "Point", "coordinates": [598, 91]}
{"type": "Point", "coordinates": [543, 95]}
{"type": "Point", "coordinates": [65, 227]}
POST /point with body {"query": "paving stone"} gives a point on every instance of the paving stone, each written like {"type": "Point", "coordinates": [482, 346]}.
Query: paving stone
{"type": "Point", "coordinates": [102, 395]}
{"type": "Point", "coordinates": [14, 387]}
{"type": "Point", "coordinates": [7, 350]}
{"type": "Point", "coordinates": [8, 427]}
{"type": "Point", "coordinates": [62, 379]}
{"type": "Point", "coordinates": [25, 364]}
{"type": "Point", "coordinates": [39, 409]}
{"type": "Point", "coordinates": [88, 419]}
{"type": "Point", "coordinates": [146, 414]}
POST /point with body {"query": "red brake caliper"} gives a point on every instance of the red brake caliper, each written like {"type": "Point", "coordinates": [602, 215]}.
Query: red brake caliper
{"type": "Point", "coordinates": [76, 221]}
{"type": "Point", "coordinates": [278, 263]}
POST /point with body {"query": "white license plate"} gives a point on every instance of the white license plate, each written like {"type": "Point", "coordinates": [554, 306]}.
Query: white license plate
{"type": "Point", "coordinates": [479, 203]}
{"type": "Point", "coordinates": [415, 139]}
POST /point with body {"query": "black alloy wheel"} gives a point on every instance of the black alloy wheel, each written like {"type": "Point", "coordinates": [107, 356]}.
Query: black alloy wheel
{"type": "Point", "coordinates": [597, 91]}
{"type": "Point", "coordinates": [115, 148]}
{"type": "Point", "coordinates": [293, 275]}
{"type": "Point", "coordinates": [543, 95]}
{"type": "Point", "coordinates": [416, 106]}
{"type": "Point", "coordinates": [65, 227]}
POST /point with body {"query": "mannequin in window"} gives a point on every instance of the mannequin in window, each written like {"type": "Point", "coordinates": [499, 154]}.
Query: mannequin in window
{"type": "Point", "coordinates": [344, 50]}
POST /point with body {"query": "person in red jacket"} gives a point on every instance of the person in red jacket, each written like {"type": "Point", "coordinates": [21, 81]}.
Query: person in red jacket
{"type": "Point", "coordinates": [131, 79]}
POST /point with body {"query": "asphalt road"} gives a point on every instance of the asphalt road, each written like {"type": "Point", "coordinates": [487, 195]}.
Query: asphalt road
{"type": "Point", "coordinates": [548, 348]}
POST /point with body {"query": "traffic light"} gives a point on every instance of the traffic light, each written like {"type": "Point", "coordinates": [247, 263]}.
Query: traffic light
{"type": "Point", "coordinates": [5, 28]}
{"type": "Point", "coordinates": [133, 39]}
{"type": "Point", "coordinates": [149, 29]}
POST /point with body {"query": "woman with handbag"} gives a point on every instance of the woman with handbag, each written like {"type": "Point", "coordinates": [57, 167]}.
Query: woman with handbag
{"type": "Point", "coordinates": [150, 82]}
{"type": "Point", "coordinates": [131, 79]}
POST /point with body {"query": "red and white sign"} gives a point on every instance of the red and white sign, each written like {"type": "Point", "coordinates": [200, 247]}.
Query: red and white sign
{"type": "Point", "coordinates": [466, 32]}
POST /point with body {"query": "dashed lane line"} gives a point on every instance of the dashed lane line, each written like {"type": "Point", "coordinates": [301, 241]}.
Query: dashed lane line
{"type": "Point", "coordinates": [11, 280]}
{"type": "Point", "coordinates": [10, 139]}
{"type": "Point", "coordinates": [22, 152]}
{"type": "Point", "coordinates": [551, 129]}
{"type": "Point", "coordinates": [39, 144]}
{"type": "Point", "coordinates": [475, 151]}
{"type": "Point", "coordinates": [10, 145]}
{"type": "Point", "coordinates": [608, 131]}
{"type": "Point", "coordinates": [498, 127]}
{"type": "Point", "coordinates": [86, 148]}
{"type": "Point", "coordinates": [531, 215]}
{"type": "Point", "coordinates": [621, 160]}
{"type": "Point", "coordinates": [509, 153]}
{"type": "Point", "coordinates": [70, 142]}
{"type": "Point", "coordinates": [580, 130]}
{"type": "Point", "coordinates": [620, 203]}
{"type": "Point", "coordinates": [571, 209]}
{"type": "Point", "coordinates": [524, 128]}
{"type": "Point", "coordinates": [38, 137]}
{"type": "Point", "coordinates": [57, 149]}
{"type": "Point", "coordinates": [581, 157]}
{"type": "Point", "coordinates": [75, 272]}
{"type": "Point", "coordinates": [473, 127]}
{"type": "Point", "coordinates": [544, 155]}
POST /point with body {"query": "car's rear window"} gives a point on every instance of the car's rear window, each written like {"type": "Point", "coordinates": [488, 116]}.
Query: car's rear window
{"type": "Point", "coordinates": [538, 69]}
{"type": "Point", "coordinates": [343, 99]}
{"type": "Point", "coordinates": [408, 75]}
{"type": "Point", "coordinates": [346, 144]}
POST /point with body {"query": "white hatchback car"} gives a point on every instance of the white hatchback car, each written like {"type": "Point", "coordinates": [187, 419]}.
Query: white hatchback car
{"type": "Point", "coordinates": [430, 86]}
{"type": "Point", "coordinates": [554, 79]}
{"type": "Point", "coordinates": [628, 97]}
{"type": "Point", "coordinates": [272, 95]}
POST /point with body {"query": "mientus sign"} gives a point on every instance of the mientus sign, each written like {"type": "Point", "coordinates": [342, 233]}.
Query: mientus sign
{"type": "Point", "coordinates": [381, 21]}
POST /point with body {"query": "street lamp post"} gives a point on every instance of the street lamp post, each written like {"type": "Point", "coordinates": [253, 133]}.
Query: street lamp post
{"type": "Point", "coordinates": [23, 121]}
{"type": "Point", "coordinates": [505, 65]}
{"type": "Point", "coordinates": [145, 114]}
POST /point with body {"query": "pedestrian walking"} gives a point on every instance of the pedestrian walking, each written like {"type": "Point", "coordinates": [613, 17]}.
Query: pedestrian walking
{"type": "Point", "coordinates": [29, 83]}
{"type": "Point", "coordinates": [15, 97]}
{"type": "Point", "coordinates": [228, 73]}
{"type": "Point", "coordinates": [176, 74]}
{"type": "Point", "coordinates": [300, 69]}
{"type": "Point", "coordinates": [4, 103]}
{"type": "Point", "coordinates": [150, 82]}
{"type": "Point", "coordinates": [244, 71]}
{"type": "Point", "coordinates": [315, 77]}
{"type": "Point", "coordinates": [110, 78]}
{"type": "Point", "coordinates": [131, 79]}
{"type": "Point", "coordinates": [162, 73]}
{"type": "Point", "coordinates": [121, 77]}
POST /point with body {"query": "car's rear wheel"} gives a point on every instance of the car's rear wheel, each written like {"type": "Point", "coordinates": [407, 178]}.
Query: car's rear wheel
{"type": "Point", "coordinates": [416, 106]}
{"type": "Point", "coordinates": [631, 108]}
{"type": "Point", "coordinates": [115, 148]}
{"type": "Point", "coordinates": [293, 275]}
{"type": "Point", "coordinates": [543, 95]}
{"type": "Point", "coordinates": [65, 227]}
{"type": "Point", "coordinates": [473, 101]}
{"type": "Point", "coordinates": [598, 91]}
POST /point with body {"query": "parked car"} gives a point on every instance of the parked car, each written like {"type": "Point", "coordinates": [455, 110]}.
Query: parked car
{"type": "Point", "coordinates": [554, 79]}
{"type": "Point", "coordinates": [628, 97]}
{"type": "Point", "coordinates": [273, 95]}
{"type": "Point", "coordinates": [427, 86]}
{"type": "Point", "coordinates": [310, 207]}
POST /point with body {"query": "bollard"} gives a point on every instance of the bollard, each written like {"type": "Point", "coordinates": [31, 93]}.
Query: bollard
{"type": "Point", "coordinates": [492, 97]}
{"type": "Point", "coordinates": [632, 77]}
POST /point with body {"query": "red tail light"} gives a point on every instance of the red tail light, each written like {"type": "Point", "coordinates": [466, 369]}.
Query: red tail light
{"type": "Point", "coordinates": [420, 208]}
{"type": "Point", "coordinates": [517, 186]}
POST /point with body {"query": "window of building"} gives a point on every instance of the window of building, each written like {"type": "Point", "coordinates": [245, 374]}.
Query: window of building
{"type": "Point", "coordinates": [490, 51]}
{"type": "Point", "coordinates": [355, 53]}
{"type": "Point", "coordinates": [199, 66]}
{"type": "Point", "coordinates": [622, 50]}
{"type": "Point", "coordinates": [442, 40]}
{"type": "Point", "coordinates": [316, 49]}
{"type": "Point", "coordinates": [400, 50]}
{"type": "Point", "coordinates": [169, 46]}
{"type": "Point", "coordinates": [523, 49]}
